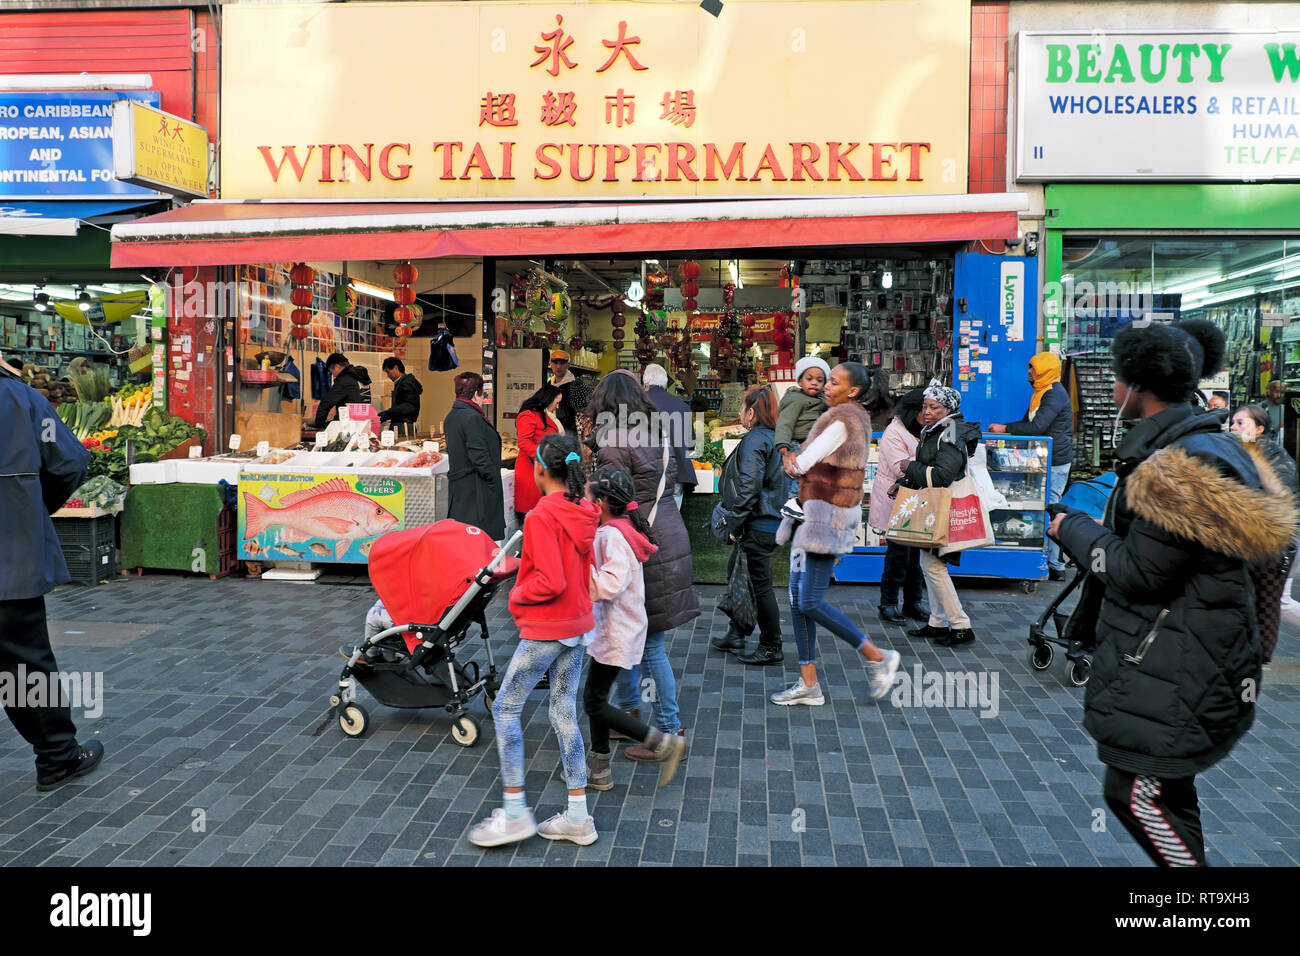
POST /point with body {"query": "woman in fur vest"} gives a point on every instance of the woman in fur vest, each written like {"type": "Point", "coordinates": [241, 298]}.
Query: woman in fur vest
{"type": "Point", "coordinates": [831, 468]}
{"type": "Point", "coordinates": [942, 454]}
{"type": "Point", "coordinates": [1169, 604]}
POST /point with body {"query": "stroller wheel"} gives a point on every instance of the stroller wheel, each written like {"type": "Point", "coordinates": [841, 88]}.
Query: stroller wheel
{"type": "Point", "coordinates": [354, 720]}
{"type": "Point", "coordinates": [1079, 672]}
{"type": "Point", "coordinates": [1040, 656]}
{"type": "Point", "coordinates": [464, 730]}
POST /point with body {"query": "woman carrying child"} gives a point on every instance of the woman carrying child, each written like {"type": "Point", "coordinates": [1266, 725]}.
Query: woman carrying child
{"type": "Point", "coordinates": [552, 607]}
{"type": "Point", "coordinates": [623, 543]}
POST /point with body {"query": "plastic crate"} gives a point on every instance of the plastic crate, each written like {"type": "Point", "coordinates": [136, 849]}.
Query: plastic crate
{"type": "Point", "coordinates": [90, 565]}
{"type": "Point", "coordinates": [90, 532]}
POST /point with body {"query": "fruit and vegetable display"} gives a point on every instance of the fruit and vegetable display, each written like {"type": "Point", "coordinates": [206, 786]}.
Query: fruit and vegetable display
{"type": "Point", "coordinates": [101, 490]}
{"type": "Point", "coordinates": [45, 382]}
{"type": "Point", "coordinates": [156, 435]}
{"type": "Point", "coordinates": [97, 419]}
{"type": "Point", "coordinates": [130, 405]}
{"type": "Point", "coordinates": [711, 453]}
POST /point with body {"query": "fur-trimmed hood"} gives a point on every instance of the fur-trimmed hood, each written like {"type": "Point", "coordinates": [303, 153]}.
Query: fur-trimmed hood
{"type": "Point", "coordinates": [1187, 493]}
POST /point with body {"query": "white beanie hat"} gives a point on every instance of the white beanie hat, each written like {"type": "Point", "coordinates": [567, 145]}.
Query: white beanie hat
{"type": "Point", "coordinates": [811, 361]}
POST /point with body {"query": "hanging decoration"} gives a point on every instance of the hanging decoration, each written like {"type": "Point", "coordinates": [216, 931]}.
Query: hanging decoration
{"type": "Point", "coordinates": [728, 293]}
{"type": "Point", "coordinates": [580, 317]}
{"type": "Point", "coordinates": [301, 276]}
{"type": "Point", "coordinates": [618, 320]}
{"type": "Point", "coordinates": [404, 275]}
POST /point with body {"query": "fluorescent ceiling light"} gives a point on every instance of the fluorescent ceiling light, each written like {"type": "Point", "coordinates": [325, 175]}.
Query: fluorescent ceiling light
{"type": "Point", "coordinates": [734, 267]}
{"type": "Point", "coordinates": [369, 288]}
{"type": "Point", "coordinates": [1203, 301]}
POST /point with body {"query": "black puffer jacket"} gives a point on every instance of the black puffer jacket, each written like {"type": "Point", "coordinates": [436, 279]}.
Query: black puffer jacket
{"type": "Point", "coordinates": [1283, 465]}
{"type": "Point", "coordinates": [406, 401]}
{"type": "Point", "coordinates": [351, 387]}
{"type": "Point", "coordinates": [941, 456]}
{"type": "Point", "coordinates": [1170, 604]}
{"type": "Point", "coordinates": [753, 485]}
{"type": "Point", "coordinates": [670, 598]}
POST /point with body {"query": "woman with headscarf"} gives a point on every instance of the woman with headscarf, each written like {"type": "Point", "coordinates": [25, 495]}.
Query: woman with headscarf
{"type": "Point", "coordinates": [1050, 415]}
{"type": "Point", "coordinates": [946, 443]}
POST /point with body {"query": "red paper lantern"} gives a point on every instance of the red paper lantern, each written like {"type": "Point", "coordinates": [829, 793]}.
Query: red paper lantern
{"type": "Point", "coordinates": [404, 315]}
{"type": "Point", "coordinates": [302, 274]}
{"type": "Point", "coordinates": [403, 295]}
{"type": "Point", "coordinates": [575, 343]}
{"type": "Point", "coordinates": [747, 321]}
{"type": "Point", "coordinates": [690, 290]}
{"type": "Point", "coordinates": [616, 307]}
{"type": "Point", "coordinates": [300, 296]}
{"type": "Point", "coordinates": [689, 305]}
{"type": "Point", "coordinates": [618, 334]}
{"type": "Point", "coordinates": [300, 317]}
{"type": "Point", "coordinates": [690, 270]}
{"type": "Point", "coordinates": [402, 331]}
{"type": "Point", "coordinates": [300, 332]}
{"type": "Point", "coordinates": [779, 322]}
{"type": "Point", "coordinates": [618, 322]}
{"type": "Point", "coordinates": [405, 274]}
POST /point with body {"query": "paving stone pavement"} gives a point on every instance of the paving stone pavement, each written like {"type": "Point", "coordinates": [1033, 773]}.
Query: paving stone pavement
{"type": "Point", "coordinates": [211, 697]}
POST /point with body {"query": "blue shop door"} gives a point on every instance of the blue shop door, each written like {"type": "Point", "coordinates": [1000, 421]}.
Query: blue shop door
{"type": "Point", "coordinates": [995, 336]}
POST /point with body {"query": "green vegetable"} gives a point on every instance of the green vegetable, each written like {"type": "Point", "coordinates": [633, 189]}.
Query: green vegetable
{"type": "Point", "coordinates": [711, 453]}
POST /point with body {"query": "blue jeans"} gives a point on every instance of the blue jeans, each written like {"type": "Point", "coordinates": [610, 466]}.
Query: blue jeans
{"type": "Point", "coordinates": [663, 691]}
{"type": "Point", "coordinates": [1060, 478]}
{"type": "Point", "coordinates": [810, 576]}
{"type": "Point", "coordinates": [531, 660]}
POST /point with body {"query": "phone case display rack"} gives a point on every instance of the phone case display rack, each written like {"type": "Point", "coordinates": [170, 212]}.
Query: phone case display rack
{"type": "Point", "coordinates": [1019, 469]}
{"type": "Point", "coordinates": [905, 328]}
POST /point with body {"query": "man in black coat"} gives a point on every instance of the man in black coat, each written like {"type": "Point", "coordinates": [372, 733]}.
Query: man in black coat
{"type": "Point", "coordinates": [351, 386]}
{"type": "Point", "coordinates": [679, 425]}
{"type": "Point", "coordinates": [41, 464]}
{"type": "Point", "coordinates": [405, 411]}
{"type": "Point", "coordinates": [475, 496]}
{"type": "Point", "coordinates": [1168, 605]}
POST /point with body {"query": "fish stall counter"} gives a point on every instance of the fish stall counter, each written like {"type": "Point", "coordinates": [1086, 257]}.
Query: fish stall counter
{"type": "Point", "coordinates": [330, 508]}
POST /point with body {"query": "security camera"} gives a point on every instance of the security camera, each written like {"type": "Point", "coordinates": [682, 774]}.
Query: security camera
{"type": "Point", "coordinates": [1015, 242]}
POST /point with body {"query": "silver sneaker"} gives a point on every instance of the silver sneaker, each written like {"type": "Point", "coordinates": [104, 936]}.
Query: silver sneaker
{"type": "Point", "coordinates": [882, 673]}
{"type": "Point", "coordinates": [498, 829]}
{"type": "Point", "coordinates": [800, 693]}
{"type": "Point", "coordinates": [558, 827]}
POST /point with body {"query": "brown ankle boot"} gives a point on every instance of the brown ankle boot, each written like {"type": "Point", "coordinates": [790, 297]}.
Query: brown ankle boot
{"type": "Point", "coordinates": [644, 753]}
{"type": "Point", "coordinates": [598, 773]}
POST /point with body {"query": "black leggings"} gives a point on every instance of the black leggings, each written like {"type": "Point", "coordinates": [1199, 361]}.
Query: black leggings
{"type": "Point", "coordinates": [1161, 814]}
{"type": "Point", "coordinates": [601, 713]}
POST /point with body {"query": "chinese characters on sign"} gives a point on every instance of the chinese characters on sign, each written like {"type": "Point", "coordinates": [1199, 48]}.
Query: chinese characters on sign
{"type": "Point", "coordinates": [616, 98]}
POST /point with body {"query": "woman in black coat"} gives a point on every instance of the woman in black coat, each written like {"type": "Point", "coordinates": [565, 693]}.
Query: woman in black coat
{"type": "Point", "coordinates": [1169, 604]}
{"type": "Point", "coordinates": [625, 438]}
{"type": "Point", "coordinates": [474, 453]}
{"type": "Point", "coordinates": [753, 490]}
{"type": "Point", "coordinates": [946, 444]}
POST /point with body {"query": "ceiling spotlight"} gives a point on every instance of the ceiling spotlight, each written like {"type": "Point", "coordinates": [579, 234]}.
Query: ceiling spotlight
{"type": "Point", "coordinates": [42, 299]}
{"type": "Point", "coordinates": [83, 299]}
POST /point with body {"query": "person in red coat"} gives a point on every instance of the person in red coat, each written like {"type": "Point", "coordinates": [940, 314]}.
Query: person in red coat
{"type": "Point", "coordinates": [536, 420]}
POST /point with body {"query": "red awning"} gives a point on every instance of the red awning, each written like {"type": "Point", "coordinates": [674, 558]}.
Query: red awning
{"type": "Point", "coordinates": [228, 233]}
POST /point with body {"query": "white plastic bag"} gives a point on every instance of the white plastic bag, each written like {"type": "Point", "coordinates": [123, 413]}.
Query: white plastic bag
{"type": "Point", "coordinates": [990, 497]}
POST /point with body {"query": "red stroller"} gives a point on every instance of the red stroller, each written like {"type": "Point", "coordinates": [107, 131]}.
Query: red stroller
{"type": "Point", "coordinates": [446, 572]}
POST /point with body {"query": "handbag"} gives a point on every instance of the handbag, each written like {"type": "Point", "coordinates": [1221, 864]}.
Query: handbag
{"type": "Point", "coordinates": [663, 477]}
{"type": "Point", "coordinates": [919, 518]}
{"type": "Point", "coordinates": [738, 600]}
{"type": "Point", "coordinates": [968, 518]}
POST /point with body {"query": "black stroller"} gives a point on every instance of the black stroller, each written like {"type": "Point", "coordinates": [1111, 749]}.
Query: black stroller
{"type": "Point", "coordinates": [1090, 496]}
{"type": "Point", "coordinates": [446, 572]}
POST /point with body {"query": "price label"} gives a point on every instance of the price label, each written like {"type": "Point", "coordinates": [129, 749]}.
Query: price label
{"type": "Point", "coordinates": [429, 446]}
{"type": "Point", "coordinates": [386, 438]}
{"type": "Point", "coordinates": [321, 439]}
{"type": "Point", "coordinates": [263, 449]}
{"type": "Point", "coordinates": [343, 414]}
{"type": "Point", "coordinates": [434, 449]}
{"type": "Point", "coordinates": [196, 451]}
{"type": "Point", "coordinates": [235, 442]}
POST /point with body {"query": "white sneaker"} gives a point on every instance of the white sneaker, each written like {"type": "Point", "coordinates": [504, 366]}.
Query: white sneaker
{"type": "Point", "coordinates": [800, 693]}
{"type": "Point", "coordinates": [882, 673]}
{"type": "Point", "coordinates": [558, 827]}
{"type": "Point", "coordinates": [498, 830]}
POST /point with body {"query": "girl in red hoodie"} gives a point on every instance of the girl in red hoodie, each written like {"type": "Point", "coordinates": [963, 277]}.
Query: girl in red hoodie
{"type": "Point", "coordinates": [552, 608]}
{"type": "Point", "coordinates": [623, 543]}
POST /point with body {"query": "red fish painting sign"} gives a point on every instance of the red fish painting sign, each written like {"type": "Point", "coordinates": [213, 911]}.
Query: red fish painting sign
{"type": "Point", "coordinates": [317, 518]}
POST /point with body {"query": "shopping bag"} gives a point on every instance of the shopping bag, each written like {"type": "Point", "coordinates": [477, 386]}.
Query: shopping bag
{"type": "Point", "coordinates": [920, 518]}
{"type": "Point", "coordinates": [738, 601]}
{"type": "Point", "coordinates": [968, 518]}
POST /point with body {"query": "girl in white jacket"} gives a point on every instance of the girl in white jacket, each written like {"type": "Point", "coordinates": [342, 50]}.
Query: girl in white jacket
{"type": "Point", "coordinates": [623, 542]}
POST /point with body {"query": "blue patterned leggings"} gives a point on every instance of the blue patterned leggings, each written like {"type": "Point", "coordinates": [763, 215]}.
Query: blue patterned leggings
{"type": "Point", "coordinates": [531, 660]}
